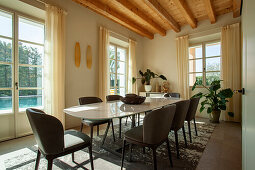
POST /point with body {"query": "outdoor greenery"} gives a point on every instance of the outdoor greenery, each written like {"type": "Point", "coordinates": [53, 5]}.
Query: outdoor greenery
{"type": "Point", "coordinates": [215, 98]}
{"type": "Point", "coordinates": [112, 67]}
{"type": "Point", "coordinates": [28, 76]}
{"type": "Point", "coordinates": [147, 76]}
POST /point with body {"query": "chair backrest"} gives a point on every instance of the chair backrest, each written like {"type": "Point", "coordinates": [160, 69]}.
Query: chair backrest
{"type": "Point", "coordinates": [180, 115]}
{"type": "Point", "coordinates": [48, 131]}
{"type": "Point", "coordinates": [176, 95]}
{"type": "Point", "coordinates": [192, 108]}
{"type": "Point", "coordinates": [157, 124]}
{"type": "Point", "coordinates": [89, 100]}
{"type": "Point", "coordinates": [113, 97]}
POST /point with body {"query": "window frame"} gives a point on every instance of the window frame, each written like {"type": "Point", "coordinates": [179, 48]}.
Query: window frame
{"type": "Point", "coordinates": [15, 58]}
{"type": "Point", "coordinates": [203, 45]}
{"type": "Point", "coordinates": [116, 46]}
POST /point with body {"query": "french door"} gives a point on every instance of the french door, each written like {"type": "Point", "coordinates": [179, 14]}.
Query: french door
{"type": "Point", "coordinates": [118, 69]}
{"type": "Point", "coordinates": [21, 70]}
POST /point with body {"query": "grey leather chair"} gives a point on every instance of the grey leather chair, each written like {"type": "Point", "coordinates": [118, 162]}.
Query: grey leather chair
{"type": "Point", "coordinates": [176, 95]}
{"type": "Point", "coordinates": [178, 122]}
{"type": "Point", "coordinates": [192, 113]}
{"type": "Point", "coordinates": [153, 132]}
{"type": "Point", "coordinates": [92, 123]}
{"type": "Point", "coordinates": [52, 140]}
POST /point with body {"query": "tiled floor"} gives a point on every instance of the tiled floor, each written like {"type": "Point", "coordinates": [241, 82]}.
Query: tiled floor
{"type": "Point", "coordinates": [223, 151]}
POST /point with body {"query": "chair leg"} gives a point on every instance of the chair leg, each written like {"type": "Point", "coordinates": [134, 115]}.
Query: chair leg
{"type": "Point", "coordinates": [50, 163]}
{"type": "Point", "coordinates": [106, 131]}
{"type": "Point", "coordinates": [126, 121]}
{"type": "Point", "coordinates": [81, 127]}
{"type": "Point", "coordinates": [120, 128]}
{"type": "Point", "coordinates": [177, 144]}
{"type": "Point", "coordinates": [138, 119]}
{"type": "Point", "coordinates": [113, 131]}
{"type": "Point", "coordinates": [91, 157]}
{"type": "Point", "coordinates": [154, 158]}
{"type": "Point", "coordinates": [195, 126]}
{"type": "Point", "coordinates": [123, 153]}
{"type": "Point", "coordinates": [73, 157]}
{"type": "Point", "coordinates": [190, 138]}
{"type": "Point", "coordinates": [130, 152]}
{"type": "Point", "coordinates": [91, 133]}
{"type": "Point", "coordinates": [169, 152]}
{"type": "Point", "coordinates": [97, 130]}
{"type": "Point", "coordinates": [184, 136]}
{"type": "Point", "coordinates": [37, 159]}
{"type": "Point", "coordinates": [133, 121]}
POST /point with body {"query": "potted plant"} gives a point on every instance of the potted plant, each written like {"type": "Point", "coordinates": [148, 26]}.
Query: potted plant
{"type": "Point", "coordinates": [215, 99]}
{"type": "Point", "coordinates": [146, 78]}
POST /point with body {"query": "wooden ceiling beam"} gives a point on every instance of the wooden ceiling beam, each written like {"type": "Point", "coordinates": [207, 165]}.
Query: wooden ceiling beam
{"type": "Point", "coordinates": [186, 12]}
{"type": "Point", "coordinates": [139, 14]}
{"type": "Point", "coordinates": [110, 13]}
{"type": "Point", "coordinates": [163, 14]}
{"type": "Point", "coordinates": [237, 8]}
{"type": "Point", "coordinates": [210, 11]}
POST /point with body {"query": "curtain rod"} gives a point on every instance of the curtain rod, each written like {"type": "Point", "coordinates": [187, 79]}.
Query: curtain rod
{"type": "Point", "coordinates": [45, 3]}
{"type": "Point", "coordinates": [217, 30]}
{"type": "Point", "coordinates": [120, 35]}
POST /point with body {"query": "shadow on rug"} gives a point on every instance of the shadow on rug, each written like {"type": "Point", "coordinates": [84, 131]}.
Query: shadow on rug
{"type": "Point", "coordinates": [190, 156]}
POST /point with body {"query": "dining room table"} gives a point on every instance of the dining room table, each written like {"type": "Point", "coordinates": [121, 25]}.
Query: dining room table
{"type": "Point", "coordinates": [118, 109]}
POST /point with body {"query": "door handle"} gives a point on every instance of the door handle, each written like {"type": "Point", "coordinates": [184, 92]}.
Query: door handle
{"type": "Point", "coordinates": [242, 91]}
{"type": "Point", "coordinates": [17, 85]}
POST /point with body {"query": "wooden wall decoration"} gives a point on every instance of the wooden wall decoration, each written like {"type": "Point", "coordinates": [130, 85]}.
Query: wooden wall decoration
{"type": "Point", "coordinates": [77, 54]}
{"type": "Point", "coordinates": [89, 57]}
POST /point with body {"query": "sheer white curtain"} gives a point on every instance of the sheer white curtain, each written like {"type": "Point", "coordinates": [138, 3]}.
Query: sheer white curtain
{"type": "Point", "coordinates": [103, 63]}
{"type": "Point", "coordinates": [182, 44]}
{"type": "Point", "coordinates": [132, 70]}
{"type": "Point", "coordinates": [231, 67]}
{"type": "Point", "coordinates": [54, 63]}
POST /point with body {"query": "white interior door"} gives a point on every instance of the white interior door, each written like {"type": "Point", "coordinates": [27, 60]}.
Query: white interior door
{"type": "Point", "coordinates": [248, 116]}
{"type": "Point", "coordinates": [21, 69]}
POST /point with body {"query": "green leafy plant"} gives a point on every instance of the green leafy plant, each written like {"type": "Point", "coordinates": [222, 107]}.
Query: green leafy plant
{"type": "Point", "coordinates": [215, 98]}
{"type": "Point", "coordinates": [147, 76]}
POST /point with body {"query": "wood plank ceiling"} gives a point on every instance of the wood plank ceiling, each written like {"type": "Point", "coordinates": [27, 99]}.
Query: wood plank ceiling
{"type": "Point", "coordinates": [148, 17]}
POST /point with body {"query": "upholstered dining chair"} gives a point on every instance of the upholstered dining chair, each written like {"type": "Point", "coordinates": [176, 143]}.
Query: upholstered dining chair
{"type": "Point", "coordinates": [92, 123]}
{"type": "Point", "coordinates": [176, 95]}
{"type": "Point", "coordinates": [178, 122]}
{"type": "Point", "coordinates": [52, 140]}
{"type": "Point", "coordinates": [153, 132]}
{"type": "Point", "coordinates": [114, 98]}
{"type": "Point", "coordinates": [191, 114]}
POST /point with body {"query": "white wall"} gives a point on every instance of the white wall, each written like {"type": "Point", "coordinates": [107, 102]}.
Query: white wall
{"type": "Point", "coordinates": [160, 53]}
{"type": "Point", "coordinates": [82, 25]}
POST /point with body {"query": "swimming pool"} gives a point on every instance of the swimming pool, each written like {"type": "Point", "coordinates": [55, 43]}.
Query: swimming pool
{"type": "Point", "coordinates": [24, 102]}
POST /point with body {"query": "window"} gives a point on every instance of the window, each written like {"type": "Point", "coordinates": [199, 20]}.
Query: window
{"type": "Point", "coordinates": [21, 62]}
{"type": "Point", "coordinates": [118, 69]}
{"type": "Point", "coordinates": [31, 51]}
{"type": "Point", "coordinates": [204, 63]}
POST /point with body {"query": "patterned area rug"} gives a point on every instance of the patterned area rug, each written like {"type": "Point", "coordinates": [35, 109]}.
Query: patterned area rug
{"type": "Point", "coordinates": [25, 158]}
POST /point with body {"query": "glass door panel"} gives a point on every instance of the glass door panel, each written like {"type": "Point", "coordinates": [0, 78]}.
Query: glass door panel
{"type": "Point", "coordinates": [117, 69]}
{"type": "Point", "coordinates": [7, 127]}
{"type": "Point", "coordinates": [29, 70]}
